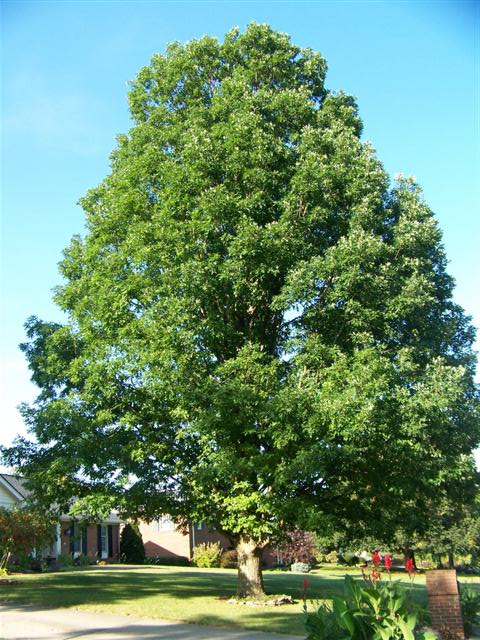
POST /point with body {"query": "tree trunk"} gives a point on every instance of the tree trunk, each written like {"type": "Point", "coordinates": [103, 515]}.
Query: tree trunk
{"type": "Point", "coordinates": [250, 580]}
{"type": "Point", "coordinates": [437, 558]}
{"type": "Point", "coordinates": [451, 560]}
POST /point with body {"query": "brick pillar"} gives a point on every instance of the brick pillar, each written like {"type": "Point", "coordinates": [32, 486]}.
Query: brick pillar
{"type": "Point", "coordinates": [444, 603]}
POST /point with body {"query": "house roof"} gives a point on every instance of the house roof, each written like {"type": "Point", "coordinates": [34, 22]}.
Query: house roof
{"type": "Point", "coordinates": [14, 484]}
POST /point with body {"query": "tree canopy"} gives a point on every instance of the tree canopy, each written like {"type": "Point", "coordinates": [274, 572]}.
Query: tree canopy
{"type": "Point", "coordinates": [260, 332]}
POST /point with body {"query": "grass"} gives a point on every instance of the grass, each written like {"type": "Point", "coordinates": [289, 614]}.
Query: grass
{"type": "Point", "coordinates": [182, 593]}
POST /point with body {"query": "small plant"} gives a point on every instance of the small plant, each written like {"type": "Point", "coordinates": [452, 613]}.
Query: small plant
{"type": "Point", "coordinates": [3, 572]}
{"type": "Point", "coordinates": [64, 560]}
{"type": "Point", "coordinates": [301, 567]}
{"type": "Point", "coordinates": [332, 557]}
{"type": "Point", "coordinates": [23, 562]}
{"type": "Point", "coordinates": [470, 603]}
{"type": "Point", "coordinates": [378, 612]}
{"type": "Point", "coordinates": [207, 555]}
{"type": "Point", "coordinates": [229, 559]}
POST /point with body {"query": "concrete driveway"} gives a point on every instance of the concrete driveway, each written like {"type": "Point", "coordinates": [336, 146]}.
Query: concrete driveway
{"type": "Point", "coordinates": [29, 623]}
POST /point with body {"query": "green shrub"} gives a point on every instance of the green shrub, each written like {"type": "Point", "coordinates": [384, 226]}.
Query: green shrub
{"type": "Point", "coordinates": [168, 561]}
{"type": "Point", "coordinates": [229, 559]}
{"type": "Point", "coordinates": [207, 555]}
{"type": "Point", "coordinates": [64, 560]}
{"type": "Point", "coordinates": [381, 612]}
{"type": "Point", "coordinates": [22, 562]}
{"type": "Point", "coordinates": [84, 561]}
{"type": "Point", "coordinates": [332, 557]}
{"type": "Point", "coordinates": [470, 603]}
{"type": "Point", "coordinates": [348, 558]}
{"type": "Point", "coordinates": [132, 550]}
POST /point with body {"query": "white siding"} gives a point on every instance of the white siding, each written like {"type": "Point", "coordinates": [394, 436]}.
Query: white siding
{"type": "Point", "coordinates": [6, 498]}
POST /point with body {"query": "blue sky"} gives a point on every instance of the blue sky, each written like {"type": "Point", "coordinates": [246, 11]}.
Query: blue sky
{"type": "Point", "coordinates": [413, 66]}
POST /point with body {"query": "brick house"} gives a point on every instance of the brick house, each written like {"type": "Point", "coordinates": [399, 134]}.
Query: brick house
{"type": "Point", "coordinates": [162, 538]}
{"type": "Point", "coordinates": [100, 540]}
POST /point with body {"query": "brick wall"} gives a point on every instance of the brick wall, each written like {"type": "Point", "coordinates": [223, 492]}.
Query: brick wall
{"type": "Point", "coordinates": [173, 544]}
{"type": "Point", "coordinates": [92, 540]}
{"type": "Point", "coordinates": [168, 544]}
{"type": "Point", "coordinates": [444, 603]}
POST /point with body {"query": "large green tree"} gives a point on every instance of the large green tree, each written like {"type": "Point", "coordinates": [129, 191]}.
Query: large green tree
{"type": "Point", "coordinates": [260, 330]}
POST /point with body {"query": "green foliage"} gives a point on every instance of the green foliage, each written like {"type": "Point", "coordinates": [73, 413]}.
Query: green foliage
{"type": "Point", "coordinates": [332, 557]}
{"type": "Point", "coordinates": [23, 529]}
{"type": "Point", "coordinates": [64, 560]}
{"type": "Point", "coordinates": [131, 545]}
{"type": "Point", "coordinates": [207, 555]}
{"type": "Point", "coordinates": [470, 603]}
{"type": "Point", "coordinates": [84, 561]}
{"type": "Point", "coordinates": [229, 559]}
{"type": "Point", "coordinates": [369, 613]}
{"type": "Point", "coordinates": [253, 312]}
{"type": "Point", "coordinates": [350, 559]}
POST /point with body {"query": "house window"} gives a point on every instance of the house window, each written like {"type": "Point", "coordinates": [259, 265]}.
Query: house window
{"type": "Point", "coordinates": [76, 534]}
{"type": "Point", "coordinates": [165, 523]}
{"type": "Point", "coordinates": [103, 541]}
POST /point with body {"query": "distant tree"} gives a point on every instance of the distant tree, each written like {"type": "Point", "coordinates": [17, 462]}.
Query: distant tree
{"type": "Point", "coordinates": [453, 522]}
{"type": "Point", "coordinates": [300, 546]}
{"type": "Point", "coordinates": [260, 332]}
{"type": "Point", "coordinates": [132, 550]}
{"type": "Point", "coordinates": [22, 531]}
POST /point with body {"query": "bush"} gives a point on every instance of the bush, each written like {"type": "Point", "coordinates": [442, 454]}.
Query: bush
{"type": "Point", "coordinates": [169, 561]}
{"type": "Point", "coordinates": [207, 555]}
{"type": "Point", "coordinates": [229, 559]}
{"type": "Point", "coordinates": [350, 559]}
{"type": "Point", "coordinates": [470, 603]}
{"type": "Point", "coordinates": [301, 546]}
{"type": "Point", "coordinates": [37, 565]}
{"type": "Point", "coordinates": [367, 612]}
{"type": "Point", "coordinates": [84, 561]}
{"type": "Point", "coordinates": [132, 550]}
{"type": "Point", "coordinates": [64, 560]}
{"type": "Point", "coordinates": [332, 557]}
{"type": "Point", "coordinates": [301, 567]}
{"type": "Point", "coordinates": [22, 562]}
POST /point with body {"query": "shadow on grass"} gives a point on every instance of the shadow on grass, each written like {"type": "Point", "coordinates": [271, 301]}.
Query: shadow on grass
{"type": "Point", "coordinates": [144, 586]}
{"type": "Point", "coordinates": [84, 587]}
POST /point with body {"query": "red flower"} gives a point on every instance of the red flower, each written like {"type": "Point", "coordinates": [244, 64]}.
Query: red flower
{"type": "Point", "coordinates": [375, 575]}
{"type": "Point", "coordinates": [409, 566]}
{"type": "Point", "coordinates": [376, 559]}
{"type": "Point", "coordinates": [305, 584]}
{"type": "Point", "coordinates": [387, 561]}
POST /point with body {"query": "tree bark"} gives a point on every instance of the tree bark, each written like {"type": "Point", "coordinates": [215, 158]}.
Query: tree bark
{"type": "Point", "coordinates": [250, 579]}
{"type": "Point", "coordinates": [451, 560]}
{"type": "Point", "coordinates": [437, 558]}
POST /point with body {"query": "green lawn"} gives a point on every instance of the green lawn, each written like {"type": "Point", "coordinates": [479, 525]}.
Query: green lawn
{"type": "Point", "coordinates": [180, 593]}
